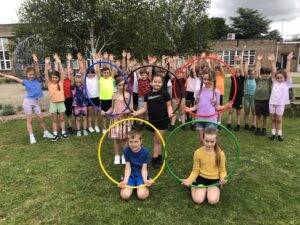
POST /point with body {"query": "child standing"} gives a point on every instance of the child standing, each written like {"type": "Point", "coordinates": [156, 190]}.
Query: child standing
{"type": "Point", "coordinates": [279, 96]}
{"type": "Point", "coordinates": [136, 173]}
{"type": "Point", "coordinates": [31, 101]}
{"type": "Point", "coordinates": [209, 168]}
{"type": "Point", "coordinates": [158, 105]}
{"type": "Point", "coordinates": [120, 131]}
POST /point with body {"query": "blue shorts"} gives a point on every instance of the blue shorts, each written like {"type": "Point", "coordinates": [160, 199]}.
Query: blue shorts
{"type": "Point", "coordinates": [136, 180]}
{"type": "Point", "coordinates": [203, 125]}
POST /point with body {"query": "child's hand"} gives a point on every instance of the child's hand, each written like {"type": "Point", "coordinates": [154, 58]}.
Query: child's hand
{"type": "Point", "coordinates": [103, 113]}
{"type": "Point", "coordinates": [124, 54]}
{"type": "Point", "coordinates": [34, 58]}
{"type": "Point", "coordinates": [98, 57]}
{"type": "Point", "coordinates": [149, 182]}
{"type": "Point", "coordinates": [203, 54]}
{"type": "Point", "coordinates": [290, 56]}
{"type": "Point", "coordinates": [259, 57]}
{"type": "Point", "coordinates": [186, 182]}
{"type": "Point", "coordinates": [69, 57]}
{"type": "Point", "coordinates": [223, 181]}
{"type": "Point", "coordinates": [56, 58]}
{"type": "Point", "coordinates": [47, 60]}
{"type": "Point", "coordinates": [229, 105]}
{"type": "Point", "coordinates": [171, 115]}
{"type": "Point", "coordinates": [122, 184]}
{"type": "Point", "coordinates": [105, 55]}
{"type": "Point", "coordinates": [271, 57]}
{"type": "Point", "coordinates": [128, 56]}
{"type": "Point", "coordinates": [111, 57]}
{"type": "Point", "coordinates": [134, 113]}
{"type": "Point", "coordinates": [79, 56]}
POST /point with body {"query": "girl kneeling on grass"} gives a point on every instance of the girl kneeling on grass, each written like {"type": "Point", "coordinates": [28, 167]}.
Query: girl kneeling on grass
{"type": "Point", "coordinates": [209, 168]}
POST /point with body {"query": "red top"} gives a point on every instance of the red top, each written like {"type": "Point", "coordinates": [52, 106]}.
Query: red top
{"type": "Point", "coordinates": [67, 88]}
{"type": "Point", "coordinates": [144, 87]}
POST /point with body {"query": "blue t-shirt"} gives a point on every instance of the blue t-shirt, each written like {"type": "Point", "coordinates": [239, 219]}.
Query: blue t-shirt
{"type": "Point", "coordinates": [250, 86]}
{"type": "Point", "coordinates": [136, 160]}
{"type": "Point", "coordinates": [33, 88]}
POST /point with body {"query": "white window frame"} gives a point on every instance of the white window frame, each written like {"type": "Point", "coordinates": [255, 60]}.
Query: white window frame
{"type": "Point", "coordinates": [4, 49]}
{"type": "Point", "coordinates": [228, 56]}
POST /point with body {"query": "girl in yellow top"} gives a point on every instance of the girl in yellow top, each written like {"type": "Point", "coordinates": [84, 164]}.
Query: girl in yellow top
{"type": "Point", "coordinates": [209, 168]}
{"type": "Point", "coordinates": [57, 98]}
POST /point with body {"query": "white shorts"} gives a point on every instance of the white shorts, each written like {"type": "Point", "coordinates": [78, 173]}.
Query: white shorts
{"type": "Point", "coordinates": [277, 109]}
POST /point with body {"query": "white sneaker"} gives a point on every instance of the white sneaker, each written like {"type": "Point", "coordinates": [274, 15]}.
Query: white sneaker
{"type": "Point", "coordinates": [91, 130]}
{"type": "Point", "coordinates": [32, 139]}
{"type": "Point", "coordinates": [85, 133]}
{"type": "Point", "coordinates": [97, 129]}
{"type": "Point", "coordinates": [47, 135]}
{"type": "Point", "coordinates": [123, 160]}
{"type": "Point", "coordinates": [78, 134]}
{"type": "Point", "coordinates": [103, 130]}
{"type": "Point", "coordinates": [117, 160]}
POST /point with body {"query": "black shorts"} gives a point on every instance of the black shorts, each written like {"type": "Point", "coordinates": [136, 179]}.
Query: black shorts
{"type": "Point", "coordinates": [68, 105]}
{"type": "Point", "coordinates": [95, 101]}
{"type": "Point", "coordinates": [238, 103]}
{"type": "Point", "coordinates": [189, 96]}
{"type": "Point", "coordinates": [221, 99]}
{"type": "Point", "coordinates": [204, 181]}
{"type": "Point", "coordinates": [135, 97]}
{"type": "Point", "coordinates": [262, 107]}
{"type": "Point", "coordinates": [160, 125]}
{"type": "Point", "coordinates": [105, 104]}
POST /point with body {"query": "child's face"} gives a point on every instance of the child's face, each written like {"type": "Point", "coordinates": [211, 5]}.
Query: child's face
{"type": "Point", "coordinates": [144, 76]}
{"type": "Point", "coordinates": [251, 75]}
{"type": "Point", "coordinates": [91, 75]}
{"type": "Point", "coordinates": [206, 80]}
{"type": "Point", "coordinates": [106, 74]}
{"type": "Point", "coordinates": [157, 83]}
{"type": "Point", "coordinates": [78, 83]}
{"type": "Point", "coordinates": [209, 141]}
{"type": "Point", "coordinates": [135, 143]}
{"type": "Point", "coordinates": [31, 75]}
{"type": "Point", "coordinates": [121, 85]}
{"type": "Point", "coordinates": [264, 76]}
{"type": "Point", "coordinates": [237, 72]}
{"type": "Point", "coordinates": [280, 78]}
{"type": "Point", "coordinates": [54, 79]}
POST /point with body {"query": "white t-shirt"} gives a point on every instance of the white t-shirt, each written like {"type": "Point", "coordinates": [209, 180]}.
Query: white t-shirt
{"type": "Point", "coordinates": [280, 93]}
{"type": "Point", "coordinates": [92, 85]}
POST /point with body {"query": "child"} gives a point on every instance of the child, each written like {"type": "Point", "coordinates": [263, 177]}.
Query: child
{"type": "Point", "coordinates": [208, 102]}
{"type": "Point", "coordinates": [136, 173]}
{"type": "Point", "coordinates": [120, 131]}
{"type": "Point", "coordinates": [158, 105]}
{"type": "Point", "coordinates": [79, 104]}
{"type": "Point", "coordinates": [249, 91]}
{"type": "Point", "coordinates": [57, 98]}
{"type": "Point", "coordinates": [238, 101]}
{"type": "Point", "coordinates": [279, 96]}
{"type": "Point", "coordinates": [31, 101]}
{"type": "Point", "coordinates": [209, 168]}
{"type": "Point", "coordinates": [262, 95]}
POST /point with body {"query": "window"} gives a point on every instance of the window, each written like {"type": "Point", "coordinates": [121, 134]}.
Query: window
{"type": "Point", "coordinates": [5, 63]}
{"type": "Point", "coordinates": [228, 56]}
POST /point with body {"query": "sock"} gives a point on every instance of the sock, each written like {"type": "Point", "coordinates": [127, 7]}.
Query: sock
{"type": "Point", "coordinates": [279, 132]}
{"type": "Point", "coordinates": [31, 135]}
{"type": "Point", "coordinates": [273, 131]}
{"type": "Point", "coordinates": [63, 132]}
{"type": "Point", "coordinates": [55, 133]}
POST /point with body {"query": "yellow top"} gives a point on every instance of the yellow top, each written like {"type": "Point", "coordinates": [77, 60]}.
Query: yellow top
{"type": "Point", "coordinates": [205, 165]}
{"type": "Point", "coordinates": [106, 89]}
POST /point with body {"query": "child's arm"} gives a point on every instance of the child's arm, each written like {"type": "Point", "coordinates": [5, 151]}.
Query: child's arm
{"type": "Point", "coordinates": [128, 57]}
{"type": "Point", "coordinates": [47, 67]}
{"type": "Point", "coordinates": [124, 60]}
{"type": "Point", "coordinates": [98, 59]}
{"type": "Point", "coordinates": [36, 66]}
{"type": "Point", "coordinates": [141, 111]}
{"type": "Point", "coordinates": [222, 168]}
{"type": "Point", "coordinates": [145, 175]}
{"type": "Point", "coordinates": [288, 65]}
{"type": "Point", "coordinates": [11, 77]}
{"type": "Point", "coordinates": [195, 171]}
{"type": "Point", "coordinates": [241, 65]}
{"type": "Point", "coordinates": [60, 67]}
{"type": "Point", "coordinates": [127, 173]}
{"type": "Point", "coordinates": [271, 58]}
{"type": "Point", "coordinates": [258, 66]}
{"type": "Point", "coordinates": [170, 109]}
{"type": "Point", "coordinates": [247, 67]}
{"type": "Point", "coordinates": [223, 107]}
{"type": "Point", "coordinates": [69, 65]}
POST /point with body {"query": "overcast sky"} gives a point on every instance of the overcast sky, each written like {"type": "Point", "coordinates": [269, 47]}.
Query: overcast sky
{"type": "Point", "coordinates": [276, 10]}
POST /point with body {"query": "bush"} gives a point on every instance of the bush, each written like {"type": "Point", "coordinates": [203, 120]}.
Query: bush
{"type": "Point", "coordinates": [8, 110]}
{"type": "Point", "coordinates": [19, 108]}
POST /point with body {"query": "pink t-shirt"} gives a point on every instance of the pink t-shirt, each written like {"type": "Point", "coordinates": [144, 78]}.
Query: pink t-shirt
{"type": "Point", "coordinates": [280, 93]}
{"type": "Point", "coordinates": [205, 104]}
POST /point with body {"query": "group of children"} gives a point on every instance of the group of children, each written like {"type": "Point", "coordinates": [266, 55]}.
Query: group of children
{"type": "Point", "coordinates": [200, 87]}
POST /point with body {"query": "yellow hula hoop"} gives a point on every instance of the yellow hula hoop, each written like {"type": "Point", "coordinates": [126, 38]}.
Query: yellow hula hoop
{"type": "Point", "coordinates": [101, 141]}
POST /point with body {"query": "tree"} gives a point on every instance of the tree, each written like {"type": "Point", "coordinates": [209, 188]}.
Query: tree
{"type": "Point", "coordinates": [219, 28]}
{"type": "Point", "coordinates": [250, 24]}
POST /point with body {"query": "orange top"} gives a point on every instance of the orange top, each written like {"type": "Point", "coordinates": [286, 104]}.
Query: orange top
{"type": "Point", "coordinates": [56, 93]}
{"type": "Point", "coordinates": [220, 84]}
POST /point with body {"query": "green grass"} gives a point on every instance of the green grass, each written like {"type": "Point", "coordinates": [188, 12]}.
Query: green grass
{"type": "Point", "coordinates": [62, 183]}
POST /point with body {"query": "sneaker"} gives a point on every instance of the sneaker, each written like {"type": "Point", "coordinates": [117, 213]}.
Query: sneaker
{"type": "Point", "coordinates": [160, 159]}
{"type": "Point", "coordinates": [55, 138]}
{"type": "Point", "coordinates": [117, 160]}
{"type": "Point", "coordinates": [97, 129]}
{"type": "Point", "coordinates": [171, 127]}
{"type": "Point", "coordinates": [64, 136]}
{"type": "Point", "coordinates": [155, 163]}
{"type": "Point", "coordinates": [47, 135]}
{"type": "Point", "coordinates": [70, 130]}
{"type": "Point", "coordinates": [246, 126]}
{"type": "Point", "coordinates": [237, 128]}
{"type": "Point", "coordinates": [123, 160]}
{"type": "Point", "coordinates": [78, 134]}
{"type": "Point", "coordinates": [229, 126]}
{"type": "Point", "coordinates": [280, 138]}
{"type": "Point", "coordinates": [272, 137]}
{"type": "Point", "coordinates": [85, 133]}
{"type": "Point", "coordinates": [91, 130]}
{"type": "Point", "coordinates": [264, 132]}
{"type": "Point", "coordinates": [103, 130]}
{"type": "Point", "coordinates": [257, 132]}
{"type": "Point", "coordinates": [32, 139]}
{"type": "Point", "coordinates": [252, 128]}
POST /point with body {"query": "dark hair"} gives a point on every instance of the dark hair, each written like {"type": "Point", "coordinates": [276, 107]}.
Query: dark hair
{"type": "Point", "coordinates": [283, 72]}
{"type": "Point", "coordinates": [250, 71]}
{"type": "Point", "coordinates": [217, 149]}
{"type": "Point", "coordinates": [265, 70]}
{"type": "Point", "coordinates": [105, 68]}
{"type": "Point", "coordinates": [92, 70]}
{"type": "Point", "coordinates": [133, 133]}
{"type": "Point", "coordinates": [119, 80]}
{"type": "Point", "coordinates": [56, 74]}
{"type": "Point", "coordinates": [217, 68]}
{"type": "Point", "coordinates": [157, 75]}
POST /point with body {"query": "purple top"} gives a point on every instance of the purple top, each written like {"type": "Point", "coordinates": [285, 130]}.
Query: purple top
{"type": "Point", "coordinates": [280, 93]}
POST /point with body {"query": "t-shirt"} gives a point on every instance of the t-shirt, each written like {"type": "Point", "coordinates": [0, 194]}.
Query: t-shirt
{"type": "Point", "coordinates": [179, 88]}
{"type": "Point", "coordinates": [56, 91]}
{"type": "Point", "coordinates": [136, 159]}
{"type": "Point", "coordinates": [280, 93]}
{"type": "Point", "coordinates": [205, 104]}
{"type": "Point", "coordinates": [92, 87]}
{"type": "Point", "coordinates": [78, 96]}
{"type": "Point", "coordinates": [250, 86]}
{"type": "Point", "coordinates": [191, 84]}
{"type": "Point", "coordinates": [33, 88]}
{"type": "Point", "coordinates": [263, 89]}
{"type": "Point", "coordinates": [240, 87]}
{"type": "Point", "coordinates": [106, 88]}
{"type": "Point", "coordinates": [68, 88]}
{"type": "Point", "coordinates": [157, 104]}
{"type": "Point", "coordinates": [220, 83]}
{"type": "Point", "coordinates": [143, 87]}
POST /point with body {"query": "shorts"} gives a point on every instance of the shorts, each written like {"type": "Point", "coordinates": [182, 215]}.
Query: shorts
{"type": "Point", "coordinates": [204, 181]}
{"type": "Point", "coordinates": [31, 106]}
{"type": "Point", "coordinates": [159, 125]}
{"type": "Point", "coordinates": [80, 111]}
{"type": "Point", "coordinates": [277, 109]}
{"type": "Point", "coordinates": [140, 102]}
{"type": "Point", "coordinates": [105, 104]}
{"type": "Point", "coordinates": [57, 107]}
{"type": "Point", "coordinates": [135, 97]}
{"type": "Point", "coordinates": [238, 103]}
{"type": "Point", "coordinates": [189, 96]}
{"type": "Point", "coordinates": [262, 107]}
{"type": "Point", "coordinates": [204, 125]}
{"type": "Point", "coordinates": [177, 107]}
{"type": "Point", "coordinates": [95, 101]}
{"type": "Point", "coordinates": [136, 180]}
{"type": "Point", "coordinates": [68, 105]}
{"type": "Point", "coordinates": [221, 99]}
{"type": "Point", "coordinates": [249, 101]}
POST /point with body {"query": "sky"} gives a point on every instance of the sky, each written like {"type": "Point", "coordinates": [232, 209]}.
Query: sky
{"type": "Point", "coordinates": [284, 13]}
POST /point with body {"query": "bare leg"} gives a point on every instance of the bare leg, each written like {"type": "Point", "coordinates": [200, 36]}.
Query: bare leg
{"type": "Point", "coordinates": [62, 121]}
{"type": "Point", "coordinates": [213, 195]}
{"type": "Point", "coordinates": [142, 193]}
{"type": "Point", "coordinates": [29, 124]}
{"type": "Point", "coordinates": [157, 143]}
{"type": "Point", "coordinates": [116, 146]}
{"type": "Point", "coordinates": [198, 194]}
{"type": "Point", "coordinates": [54, 122]}
{"type": "Point", "coordinates": [126, 193]}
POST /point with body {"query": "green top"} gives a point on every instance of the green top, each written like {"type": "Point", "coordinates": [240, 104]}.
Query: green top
{"type": "Point", "coordinates": [263, 89]}
{"type": "Point", "coordinates": [106, 89]}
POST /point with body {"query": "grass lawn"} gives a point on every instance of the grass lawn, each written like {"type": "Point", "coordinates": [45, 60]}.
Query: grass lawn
{"type": "Point", "coordinates": [62, 183]}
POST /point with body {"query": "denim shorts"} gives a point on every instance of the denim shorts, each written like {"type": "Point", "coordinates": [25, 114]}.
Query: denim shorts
{"type": "Point", "coordinates": [204, 125]}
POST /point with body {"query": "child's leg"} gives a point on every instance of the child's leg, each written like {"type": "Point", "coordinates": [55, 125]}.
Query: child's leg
{"type": "Point", "coordinates": [198, 194]}
{"type": "Point", "coordinates": [182, 116]}
{"type": "Point", "coordinates": [265, 121]}
{"type": "Point", "coordinates": [96, 113]}
{"type": "Point", "coordinates": [116, 146]}
{"type": "Point", "coordinates": [157, 144]}
{"type": "Point", "coordinates": [104, 122]}
{"type": "Point", "coordinates": [62, 121]}
{"type": "Point", "coordinates": [69, 121]}
{"type": "Point", "coordinates": [279, 124]}
{"type": "Point", "coordinates": [258, 119]}
{"type": "Point", "coordinates": [173, 119]}
{"type": "Point", "coordinates": [213, 195]}
{"type": "Point", "coordinates": [230, 116]}
{"type": "Point", "coordinates": [246, 115]}
{"type": "Point", "coordinates": [54, 123]}
{"type": "Point", "coordinates": [84, 122]}
{"type": "Point", "coordinates": [273, 119]}
{"type": "Point", "coordinates": [77, 123]}
{"type": "Point", "coordinates": [253, 116]}
{"type": "Point", "coordinates": [238, 116]}
{"type": "Point", "coordinates": [126, 193]}
{"type": "Point", "coordinates": [29, 124]}
{"type": "Point", "coordinates": [142, 193]}
{"type": "Point", "coordinates": [90, 112]}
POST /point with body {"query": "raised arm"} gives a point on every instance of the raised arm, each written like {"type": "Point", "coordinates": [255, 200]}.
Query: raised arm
{"type": "Point", "coordinates": [241, 65]}
{"type": "Point", "coordinates": [59, 65]}
{"type": "Point", "coordinates": [128, 57]}
{"type": "Point", "coordinates": [288, 65]}
{"type": "Point", "coordinates": [47, 67]}
{"type": "Point", "coordinates": [124, 60]}
{"type": "Point", "coordinates": [11, 77]}
{"type": "Point", "coordinates": [98, 59]}
{"type": "Point", "coordinates": [69, 65]}
{"type": "Point", "coordinates": [36, 65]}
{"type": "Point", "coordinates": [258, 65]}
{"type": "Point", "coordinates": [247, 67]}
{"type": "Point", "coordinates": [271, 58]}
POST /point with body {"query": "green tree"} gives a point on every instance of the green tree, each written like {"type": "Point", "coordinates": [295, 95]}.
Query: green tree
{"type": "Point", "coordinates": [219, 28]}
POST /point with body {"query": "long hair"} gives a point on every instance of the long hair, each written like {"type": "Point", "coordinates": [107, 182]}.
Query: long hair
{"type": "Point", "coordinates": [217, 149]}
{"type": "Point", "coordinates": [212, 76]}
{"type": "Point", "coordinates": [283, 72]}
{"type": "Point", "coordinates": [56, 73]}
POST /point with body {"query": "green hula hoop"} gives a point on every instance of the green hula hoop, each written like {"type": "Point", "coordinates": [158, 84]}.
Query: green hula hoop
{"type": "Point", "coordinates": [229, 174]}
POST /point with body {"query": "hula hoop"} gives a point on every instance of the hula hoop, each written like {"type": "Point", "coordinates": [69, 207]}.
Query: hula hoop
{"type": "Point", "coordinates": [237, 160]}
{"type": "Point", "coordinates": [197, 59]}
{"type": "Point", "coordinates": [154, 66]}
{"type": "Point", "coordinates": [123, 75]}
{"type": "Point", "coordinates": [100, 159]}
